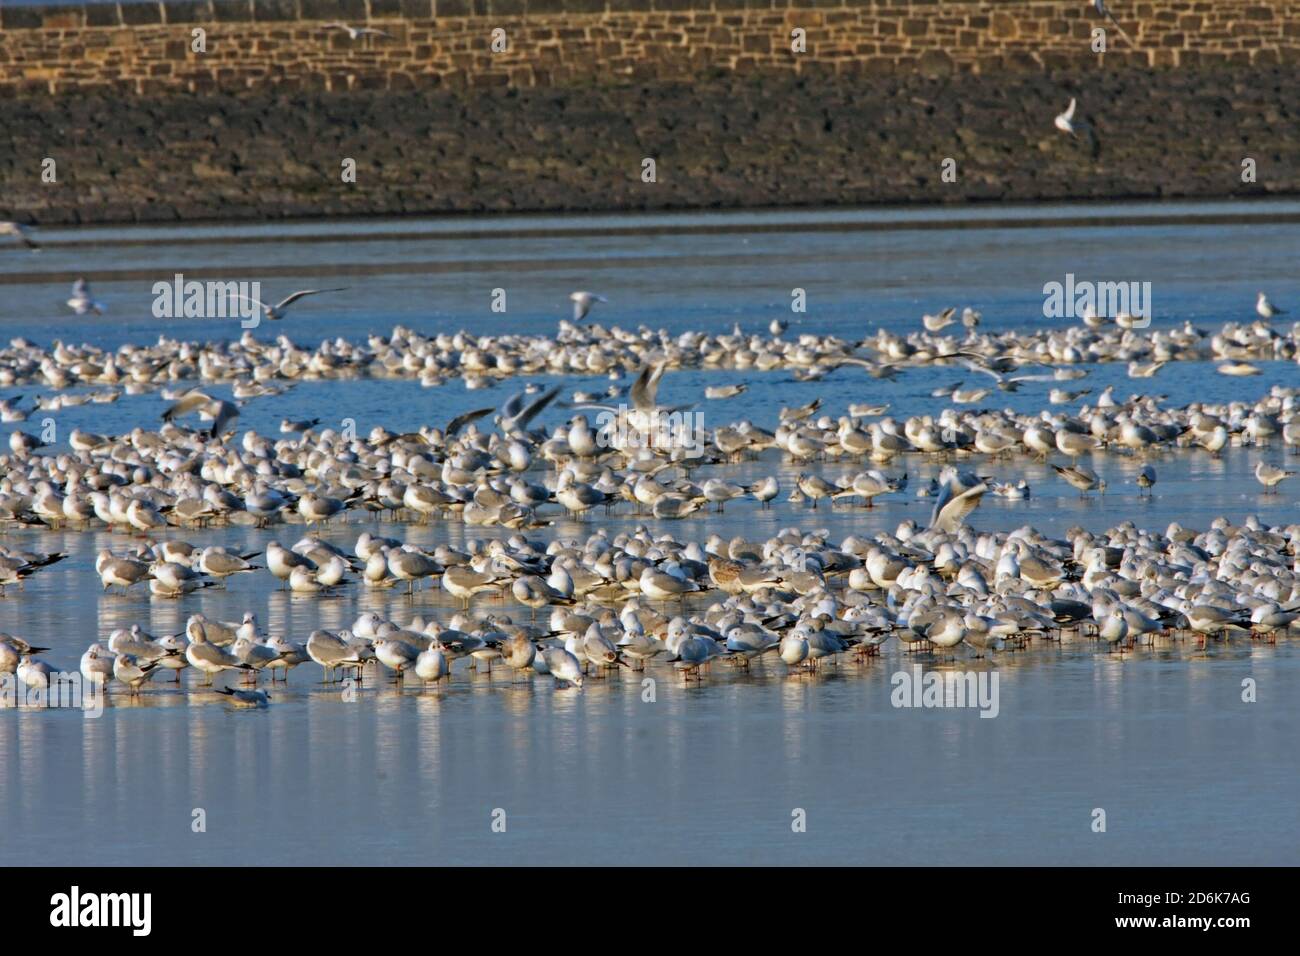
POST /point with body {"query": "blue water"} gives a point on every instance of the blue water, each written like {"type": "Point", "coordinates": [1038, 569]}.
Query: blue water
{"type": "Point", "coordinates": [1161, 740]}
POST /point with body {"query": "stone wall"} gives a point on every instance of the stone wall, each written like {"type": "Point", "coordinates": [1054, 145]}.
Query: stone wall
{"type": "Point", "coordinates": [147, 47]}
{"type": "Point", "coordinates": [761, 140]}
{"type": "Point", "coordinates": [142, 128]}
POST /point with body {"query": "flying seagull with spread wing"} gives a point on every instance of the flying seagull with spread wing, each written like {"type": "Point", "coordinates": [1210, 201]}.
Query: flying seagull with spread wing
{"type": "Point", "coordinates": [222, 413]}
{"type": "Point", "coordinates": [1068, 122]}
{"type": "Point", "coordinates": [275, 312]}
{"type": "Point", "coordinates": [515, 415]}
{"type": "Point", "coordinates": [356, 33]}
{"type": "Point", "coordinates": [958, 497]}
{"type": "Point", "coordinates": [18, 231]}
{"type": "Point", "coordinates": [1104, 11]}
{"type": "Point", "coordinates": [582, 303]}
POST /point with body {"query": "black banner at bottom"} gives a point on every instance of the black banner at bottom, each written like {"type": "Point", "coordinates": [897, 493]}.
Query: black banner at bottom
{"type": "Point", "coordinates": [342, 905]}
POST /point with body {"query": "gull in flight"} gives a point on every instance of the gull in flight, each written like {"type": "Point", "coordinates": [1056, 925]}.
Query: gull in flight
{"type": "Point", "coordinates": [937, 323]}
{"type": "Point", "coordinates": [515, 415]}
{"type": "Point", "coordinates": [582, 303]}
{"type": "Point", "coordinates": [221, 412]}
{"type": "Point", "coordinates": [1067, 123]}
{"type": "Point", "coordinates": [644, 394]}
{"type": "Point", "coordinates": [1006, 382]}
{"type": "Point", "coordinates": [18, 231]}
{"type": "Point", "coordinates": [1104, 11]}
{"type": "Point", "coordinates": [1267, 309]}
{"type": "Point", "coordinates": [356, 33]}
{"type": "Point", "coordinates": [275, 312]}
{"type": "Point", "coordinates": [960, 495]}
{"type": "Point", "coordinates": [81, 301]}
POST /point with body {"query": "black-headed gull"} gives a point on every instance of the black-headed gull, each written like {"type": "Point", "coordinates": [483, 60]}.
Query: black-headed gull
{"type": "Point", "coordinates": [1270, 475]}
{"type": "Point", "coordinates": [1067, 122]}
{"type": "Point", "coordinates": [18, 231]}
{"type": "Point", "coordinates": [1266, 308]}
{"type": "Point", "coordinates": [582, 303]}
{"type": "Point", "coordinates": [274, 312]}
{"type": "Point", "coordinates": [81, 301]}
{"type": "Point", "coordinates": [1104, 11]}
{"type": "Point", "coordinates": [221, 412]}
{"type": "Point", "coordinates": [246, 698]}
{"type": "Point", "coordinates": [956, 501]}
{"type": "Point", "coordinates": [356, 33]}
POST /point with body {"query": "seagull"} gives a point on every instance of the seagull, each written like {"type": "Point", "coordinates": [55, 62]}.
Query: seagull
{"type": "Point", "coordinates": [563, 666]}
{"type": "Point", "coordinates": [724, 391]}
{"type": "Point", "coordinates": [515, 415]}
{"type": "Point", "coordinates": [1210, 620]}
{"type": "Point", "coordinates": [937, 323]}
{"type": "Point", "coordinates": [34, 672]}
{"type": "Point", "coordinates": [793, 649]}
{"type": "Point", "coordinates": [1104, 11]}
{"type": "Point", "coordinates": [276, 312]}
{"type": "Point", "coordinates": [1269, 475]}
{"type": "Point", "coordinates": [519, 652]}
{"type": "Point", "coordinates": [292, 653]}
{"type": "Point", "coordinates": [356, 33]}
{"type": "Point", "coordinates": [1267, 309]}
{"type": "Point", "coordinates": [219, 563]}
{"type": "Point", "coordinates": [288, 427]}
{"type": "Point", "coordinates": [246, 698]}
{"type": "Point", "coordinates": [96, 664]}
{"type": "Point", "coordinates": [411, 566]}
{"type": "Point", "coordinates": [1066, 123]}
{"type": "Point", "coordinates": [432, 665]}
{"type": "Point", "coordinates": [331, 651]}
{"type": "Point", "coordinates": [396, 655]}
{"type": "Point", "coordinates": [1270, 617]}
{"type": "Point", "coordinates": [221, 412]}
{"type": "Point", "coordinates": [645, 390]}
{"type": "Point", "coordinates": [123, 572]}
{"type": "Point", "coordinates": [81, 301]}
{"type": "Point", "coordinates": [11, 649]}
{"type": "Point", "coordinates": [18, 231]}
{"type": "Point", "coordinates": [131, 672]}
{"type": "Point", "coordinates": [460, 421]}
{"type": "Point", "coordinates": [582, 303]}
{"type": "Point", "coordinates": [1113, 628]}
{"type": "Point", "coordinates": [1146, 477]}
{"type": "Point", "coordinates": [206, 657]}
{"type": "Point", "coordinates": [956, 501]}
{"type": "Point", "coordinates": [1006, 381]}
{"type": "Point", "coordinates": [1085, 479]}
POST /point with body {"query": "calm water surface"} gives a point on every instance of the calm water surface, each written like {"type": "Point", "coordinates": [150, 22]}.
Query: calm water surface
{"type": "Point", "coordinates": [1186, 772]}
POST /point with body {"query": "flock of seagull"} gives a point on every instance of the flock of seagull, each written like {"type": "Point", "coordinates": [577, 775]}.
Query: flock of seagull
{"type": "Point", "coordinates": [629, 598]}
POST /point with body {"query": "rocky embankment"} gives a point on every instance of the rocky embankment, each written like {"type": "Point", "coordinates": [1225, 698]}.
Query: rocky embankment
{"type": "Point", "coordinates": [730, 141]}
